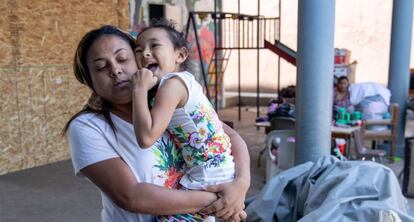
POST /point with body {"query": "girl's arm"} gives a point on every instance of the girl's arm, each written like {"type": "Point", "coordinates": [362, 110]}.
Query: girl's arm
{"type": "Point", "coordinates": [150, 125]}
{"type": "Point", "coordinates": [232, 195]}
{"type": "Point", "coordinates": [115, 178]}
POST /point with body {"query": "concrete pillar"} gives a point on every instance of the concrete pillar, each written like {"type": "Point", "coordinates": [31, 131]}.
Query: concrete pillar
{"type": "Point", "coordinates": [316, 21]}
{"type": "Point", "coordinates": [399, 71]}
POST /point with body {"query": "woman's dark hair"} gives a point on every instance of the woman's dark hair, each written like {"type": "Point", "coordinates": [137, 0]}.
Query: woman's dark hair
{"type": "Point", "coordinates": [343, 78]}
{"type": "Point", "coordinates": [81, 70]}
{"type": "Point", "coordinates": [177, 38]}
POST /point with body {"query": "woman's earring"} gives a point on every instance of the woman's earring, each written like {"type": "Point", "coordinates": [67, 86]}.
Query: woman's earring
{"type": "Point", "coordinates": [95, 102]}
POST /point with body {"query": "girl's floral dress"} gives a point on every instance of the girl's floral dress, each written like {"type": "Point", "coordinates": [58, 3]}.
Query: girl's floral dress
{"type": "Point", "coordinates": [199, 136]}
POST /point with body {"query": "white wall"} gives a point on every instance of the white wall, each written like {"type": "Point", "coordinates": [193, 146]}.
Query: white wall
{"type": "Point", "coordinates": [268, 61]}
{"type": "Point", "coordinates": [364, 27]}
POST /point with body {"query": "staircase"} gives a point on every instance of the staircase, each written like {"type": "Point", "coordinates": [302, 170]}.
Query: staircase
{"type": "Point", "coordinates": [216, 79]}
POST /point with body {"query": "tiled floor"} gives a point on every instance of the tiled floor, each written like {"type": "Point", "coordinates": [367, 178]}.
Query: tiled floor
{"type": "Point", "coordinates": [53, 193]}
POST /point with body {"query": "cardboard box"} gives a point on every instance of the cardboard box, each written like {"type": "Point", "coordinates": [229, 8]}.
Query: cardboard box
{"type": "Point", "coordinates": [346, 70]}
{"type": "Point", "coordinates": [342, 57]}
{"type": "Point", "coordinates": [341, 71]}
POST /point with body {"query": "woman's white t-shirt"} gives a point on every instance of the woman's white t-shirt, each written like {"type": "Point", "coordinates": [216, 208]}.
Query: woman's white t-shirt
{"type": "Point", "coordinates": [92, 140]}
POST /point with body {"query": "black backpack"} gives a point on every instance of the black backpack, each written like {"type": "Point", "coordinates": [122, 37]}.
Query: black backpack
{"type": "Point", "coordinates": [283, 110]}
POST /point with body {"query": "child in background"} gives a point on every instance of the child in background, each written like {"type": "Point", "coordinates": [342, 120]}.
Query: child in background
{"type": "Point", "coordinates": [180, 107]}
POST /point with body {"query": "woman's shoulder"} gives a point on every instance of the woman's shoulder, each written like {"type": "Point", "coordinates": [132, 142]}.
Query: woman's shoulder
{"type": "Point", "coordinates": [87, 120]}
{"type": "Point", "coordinates": [90, 141]}
{"type": "Point", "coordinates": [88, 117]}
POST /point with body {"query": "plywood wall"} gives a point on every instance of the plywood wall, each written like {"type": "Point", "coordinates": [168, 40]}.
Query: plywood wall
{"type": "Point", "coordinates": [38, 91]}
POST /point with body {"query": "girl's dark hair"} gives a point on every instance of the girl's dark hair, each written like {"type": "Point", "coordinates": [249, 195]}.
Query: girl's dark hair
{"type": "Point", "coordinates": [81, 70]}
{"type": "Point", "coordinates": [176, 37]}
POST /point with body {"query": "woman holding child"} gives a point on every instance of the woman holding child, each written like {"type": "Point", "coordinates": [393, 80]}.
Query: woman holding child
{"type": "Point", "coordinates": [137, 183]}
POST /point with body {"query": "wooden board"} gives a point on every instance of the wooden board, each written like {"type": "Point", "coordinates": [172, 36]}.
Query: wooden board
{"type": "Point", "coordinates": [38, 91]}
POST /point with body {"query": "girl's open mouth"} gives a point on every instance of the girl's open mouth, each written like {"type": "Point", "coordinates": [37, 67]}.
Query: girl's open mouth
{"type": "Point", "coordinates": [153, 67]}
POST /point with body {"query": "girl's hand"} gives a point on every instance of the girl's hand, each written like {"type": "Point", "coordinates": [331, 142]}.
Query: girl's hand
{"type": "Point", "coordinates": [144, 79]}
{"type": "Point", "coordinates": [231, 199]}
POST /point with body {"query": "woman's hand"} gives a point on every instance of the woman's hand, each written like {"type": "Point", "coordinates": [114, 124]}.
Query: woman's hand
{"type": "Point", "coordinates": [240, 216]}
{"type": "Point", "coordinates": [231, 199]}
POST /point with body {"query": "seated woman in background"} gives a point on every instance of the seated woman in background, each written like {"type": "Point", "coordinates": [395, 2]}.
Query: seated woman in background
{"type": "Point", "coordinates": [341, 94]}
{"type": "Point", "coordinates": [369, 98]}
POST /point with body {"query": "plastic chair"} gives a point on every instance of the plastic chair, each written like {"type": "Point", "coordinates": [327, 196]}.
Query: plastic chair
{"type": "Point", "coordinates": [278, 123]}
{"type": "Point", "coordinates": [390, 134]}
{"type": "Point", "coordinates": [281, 123]}
{"type": "Point", "coordinates": [362, 152]}
{"type": "Point", "coordinates": [286, 154]}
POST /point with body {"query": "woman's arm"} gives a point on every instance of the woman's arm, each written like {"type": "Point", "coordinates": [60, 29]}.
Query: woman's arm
{"type": "Point", "coordinates": [232, 195]}
{"type": "Point", "coordinates": [150, 125]}
{"type": "Point", "coordinates": [115, 178]}
{"type": "Point", "coordinates": [241, 156]}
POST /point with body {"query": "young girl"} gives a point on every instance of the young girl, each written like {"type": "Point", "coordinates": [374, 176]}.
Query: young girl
{"type": "Point", "coordinates": [180, 107]}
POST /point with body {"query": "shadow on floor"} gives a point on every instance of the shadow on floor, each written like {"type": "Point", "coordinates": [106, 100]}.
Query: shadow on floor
{"type": "Point", "coordinates": [48, 193]}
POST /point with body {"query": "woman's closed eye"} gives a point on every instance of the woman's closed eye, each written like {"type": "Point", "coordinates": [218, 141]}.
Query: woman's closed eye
{"type": "Point", "coordinates": [122, 58]}
{"type": "Point", "coordinates": [100, 66]}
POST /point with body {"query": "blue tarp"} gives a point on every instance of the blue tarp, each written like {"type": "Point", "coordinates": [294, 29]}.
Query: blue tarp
{"type": "Point", "coordinates": [330, 190]}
